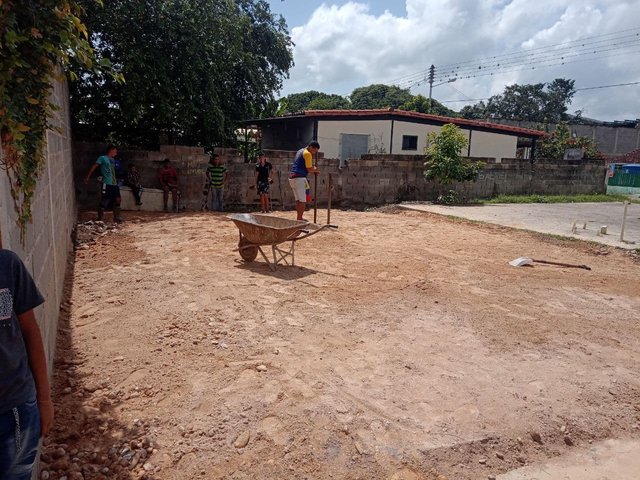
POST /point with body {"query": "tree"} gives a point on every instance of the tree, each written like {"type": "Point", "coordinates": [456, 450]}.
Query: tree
{"type": "Point", "coordinates": [37, 41]}
{"type": "Point", "coordinates": [445, 164]}
{"type": "Point", "coordinates": [538, 102]}
{"type": "Point", "coordinates": [420, 103]}
{"type": "Point", "coordinates": [313, 100]}
{"type": "Point", "coordinates": [193, 68]}
{"type": "Point", "coordinates": [379, 96]}
{"type": "Point", "coordinates": [554, 145]}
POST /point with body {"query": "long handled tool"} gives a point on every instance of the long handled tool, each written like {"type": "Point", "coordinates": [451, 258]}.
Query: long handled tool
{"type": "Point", "coordinates": [524, 261]}
{"type": "Point", "coordinates": [329, 195]}
{"type": "Point", "coordinates": [315, 195]}
{"type": "Point", "coordinates": [280, 190]}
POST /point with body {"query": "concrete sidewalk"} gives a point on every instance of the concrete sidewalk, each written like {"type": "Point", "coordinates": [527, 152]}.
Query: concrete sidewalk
{"type": "Point", "coordinates": [609, 460]}
{"type": "Point", "coordinates": [553, 218]}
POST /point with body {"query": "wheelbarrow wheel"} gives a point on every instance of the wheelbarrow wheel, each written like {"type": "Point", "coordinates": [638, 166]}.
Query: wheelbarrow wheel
{"type": "Point", "coordinates": [248, 254]}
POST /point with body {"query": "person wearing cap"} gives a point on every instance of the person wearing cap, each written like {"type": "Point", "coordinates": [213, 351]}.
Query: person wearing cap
{"type": "Point", "coordinates": [264, 177]}
{"type": "Point", "coordinates": [302, 166]}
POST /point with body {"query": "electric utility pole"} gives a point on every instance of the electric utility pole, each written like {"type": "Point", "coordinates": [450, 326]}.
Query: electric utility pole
{"type": "Point", "coordinates": [432, 74]}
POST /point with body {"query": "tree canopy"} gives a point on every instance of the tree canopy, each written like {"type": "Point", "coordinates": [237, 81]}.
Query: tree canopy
{"type": "Point", "coordinates": [313, 100]}
{"type": "Point", "coordinates": [379, 96]}
{"type": "Point", "coordinates": [192, 68]}
{"type": "Point", "coordinates": [540, 102]}
{"type": "Point", "coordinates": [363, 98]}
{"type": "Point", "coordinates": [420, 103]}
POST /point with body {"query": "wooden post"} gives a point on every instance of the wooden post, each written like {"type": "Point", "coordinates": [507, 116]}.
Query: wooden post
{"type": "Point", "coordinates": [315, 194]}
{"type": "Point", "coordinates": [329, 195]}
{"type": "Point", "coordinates": [624, 221]}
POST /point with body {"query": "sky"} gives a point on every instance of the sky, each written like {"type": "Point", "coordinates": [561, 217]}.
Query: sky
{"type": "Point", "coordinates": [341, 45]}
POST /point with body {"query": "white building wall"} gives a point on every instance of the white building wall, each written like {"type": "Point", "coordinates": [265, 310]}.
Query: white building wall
{"type": "Point", "coordinates": [329, 131]}
{"type": "Point", "coordinates": [493, 145]}
{"type": "Point", "coordinates": [483, 144]}
{"type": "Point", "coordinates": [420, 130]}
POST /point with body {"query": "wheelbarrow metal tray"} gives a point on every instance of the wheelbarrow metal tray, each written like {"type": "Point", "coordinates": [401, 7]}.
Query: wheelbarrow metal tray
{"type": "Point", "coordinates": [266, 229]}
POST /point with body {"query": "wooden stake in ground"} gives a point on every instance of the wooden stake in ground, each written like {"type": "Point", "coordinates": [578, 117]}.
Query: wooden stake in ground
{"type": "Point", "coordinates": [280, 190]}
{"type": "Point", "coordinates": [624, 221]}
{"type": "Point", "coordinates": [315, 195]}
{"type": "Point", "coordinates": [329, 195]}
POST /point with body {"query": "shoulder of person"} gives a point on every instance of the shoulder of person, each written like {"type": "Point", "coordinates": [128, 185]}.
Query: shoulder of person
{"type": "Point", "coordinates": [7, 257]}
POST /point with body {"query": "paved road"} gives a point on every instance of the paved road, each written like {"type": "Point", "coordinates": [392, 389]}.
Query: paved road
{"type": "Point", "coordinates": [554, 218]}
{"type": "Point", "coordinates": [609, 460]}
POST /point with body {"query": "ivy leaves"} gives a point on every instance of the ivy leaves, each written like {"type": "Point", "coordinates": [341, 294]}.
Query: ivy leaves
{"type": "Point", "coordinates": [37, 41]}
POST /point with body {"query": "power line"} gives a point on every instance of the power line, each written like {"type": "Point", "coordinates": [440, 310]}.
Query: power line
{"type": "Point", "coordinates": [577, 90]}
{"type": "Point", "coordinates": [544, 58]}
{"type": "Point", "coordinates": [607, 86]}
{"type": "Point", "coordinates": [570, 45]}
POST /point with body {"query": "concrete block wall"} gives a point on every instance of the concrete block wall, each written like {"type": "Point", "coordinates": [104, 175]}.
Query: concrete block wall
{"type": "Point", "coordinates": [613, 141]}
{"type": "Point", "coordinates": [368, 181]}
{"type": "Point", "coordinates": [48, 243]}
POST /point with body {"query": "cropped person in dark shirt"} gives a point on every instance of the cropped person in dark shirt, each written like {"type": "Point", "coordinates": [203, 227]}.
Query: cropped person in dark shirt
{"type": "Point", "coordinates": [264, 178]}
{"type": "Point", "coordinates": [26, 412]}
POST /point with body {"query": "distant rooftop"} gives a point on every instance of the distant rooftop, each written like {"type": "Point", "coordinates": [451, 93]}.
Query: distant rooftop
{"type": "Point", "coordinates": [390, 113]}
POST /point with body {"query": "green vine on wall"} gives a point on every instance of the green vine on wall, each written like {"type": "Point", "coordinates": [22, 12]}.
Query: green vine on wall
{"type": "Point", "coordinates": [39, 39]}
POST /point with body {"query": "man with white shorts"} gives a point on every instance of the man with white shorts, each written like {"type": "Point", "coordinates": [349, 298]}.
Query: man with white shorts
{"type": "Point", "coordinates": [302, 166]}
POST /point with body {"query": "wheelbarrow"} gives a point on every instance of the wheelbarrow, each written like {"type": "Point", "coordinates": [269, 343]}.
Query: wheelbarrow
{"type": "Point", "coordinates": [257, 231]}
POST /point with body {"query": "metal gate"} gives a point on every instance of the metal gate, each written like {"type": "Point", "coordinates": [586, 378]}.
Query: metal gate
{"type": "Point", "coordinates": [353, 146]}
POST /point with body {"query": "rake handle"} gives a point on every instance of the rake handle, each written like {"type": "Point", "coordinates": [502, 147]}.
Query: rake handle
{"type": "Point", "coordinates": [560, 264]}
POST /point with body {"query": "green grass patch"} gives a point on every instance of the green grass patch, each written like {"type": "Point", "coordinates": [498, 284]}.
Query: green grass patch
{"type": "Point", "coordinates": [598, 197]}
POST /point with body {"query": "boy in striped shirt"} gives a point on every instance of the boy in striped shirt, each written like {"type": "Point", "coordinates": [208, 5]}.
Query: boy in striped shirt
{"type": "Point", "coordinates": [217, 177]}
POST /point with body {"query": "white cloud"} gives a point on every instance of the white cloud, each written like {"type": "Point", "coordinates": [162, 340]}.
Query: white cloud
{"type": "Point", "coordinates": [344, 47]}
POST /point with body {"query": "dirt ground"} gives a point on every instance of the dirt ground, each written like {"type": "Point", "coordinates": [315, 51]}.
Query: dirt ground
{"type": "Point", "coordinates": [402, 347]}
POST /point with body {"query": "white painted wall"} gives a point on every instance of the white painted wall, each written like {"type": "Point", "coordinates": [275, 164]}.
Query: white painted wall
{"type": "Point", "coordinates": [421, 130]}
{"type": "Point", "coordinates": [494, 145]}
{"type": "Point", "coordinates": [483, 144]}
{"type": "Point", "coordinates": [329, 131]}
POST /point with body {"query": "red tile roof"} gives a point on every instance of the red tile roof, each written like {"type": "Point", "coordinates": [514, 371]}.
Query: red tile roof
{"type": "Point", "coordinates": [526, 132]}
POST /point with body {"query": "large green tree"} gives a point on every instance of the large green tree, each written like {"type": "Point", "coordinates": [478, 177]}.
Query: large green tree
{"type": "Point", "coordinates": [379, 96]}
{"type": "Point", "coordinates": [540, 102]}
{"type": "Point", "coordinates": [313, 100]}
{"type": "Point", "coordinates": [192, 68]}
{"type": "Point", "coordinates": [421, 104]}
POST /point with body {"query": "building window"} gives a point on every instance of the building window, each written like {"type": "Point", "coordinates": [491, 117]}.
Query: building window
{"type": "Point", "coordinates": [409, 142]}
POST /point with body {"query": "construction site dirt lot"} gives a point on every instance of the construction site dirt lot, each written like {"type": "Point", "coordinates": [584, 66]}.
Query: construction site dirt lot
{"type": "Point", "coordinates": [401, 346]}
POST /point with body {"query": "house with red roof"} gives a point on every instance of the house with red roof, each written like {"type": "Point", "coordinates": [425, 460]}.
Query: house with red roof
{"type": "Point", "coordinates": [348, 134]}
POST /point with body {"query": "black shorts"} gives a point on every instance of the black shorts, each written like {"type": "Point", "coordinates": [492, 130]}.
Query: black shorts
{"type": "Point", "coordinates": [263, 187]}
{"type": "Point", "coordinates": [110, 193]}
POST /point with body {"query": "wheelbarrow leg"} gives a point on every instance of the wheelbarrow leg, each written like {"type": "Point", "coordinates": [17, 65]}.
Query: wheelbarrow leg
{"type": "Point", "coordinates": [271, 266]}
{"type": "Point", "coordinates": [282, 255]}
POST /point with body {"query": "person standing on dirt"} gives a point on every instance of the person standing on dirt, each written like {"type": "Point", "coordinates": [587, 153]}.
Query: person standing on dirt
{"type": "Point", "coordinates": [133, 182]}
{"type": "Point", "coordinates": [109, 191]}
{"type": "Point", "coordinates": [26, 411]}
{"type": "Point", "coordinates": [217, 176]}
{"type": "Point", "coordinates": [302, 166]}
{"type": "Point", "coordinates": [169, 181]}
{"type": "Point", "coordinates": [264, 178]}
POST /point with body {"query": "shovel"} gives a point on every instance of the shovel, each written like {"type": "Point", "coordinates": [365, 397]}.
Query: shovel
{"type": "Point", "coordinates": [524, 261]}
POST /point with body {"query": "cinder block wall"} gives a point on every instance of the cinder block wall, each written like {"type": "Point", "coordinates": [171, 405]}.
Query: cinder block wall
{"type": "Point", "coordinates": [368, 181]}
{"type": "Point", "coordinates": [48, 240]}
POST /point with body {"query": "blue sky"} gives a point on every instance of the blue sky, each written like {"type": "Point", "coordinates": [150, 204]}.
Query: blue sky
{"type": "Point", "coordinates": [298, 12]}
{"type": "Point", "coordinates": [341, 45]}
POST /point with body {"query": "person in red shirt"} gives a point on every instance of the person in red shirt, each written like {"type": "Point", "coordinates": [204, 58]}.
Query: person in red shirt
{"type": "Point", "coordinates": [169, 180]}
